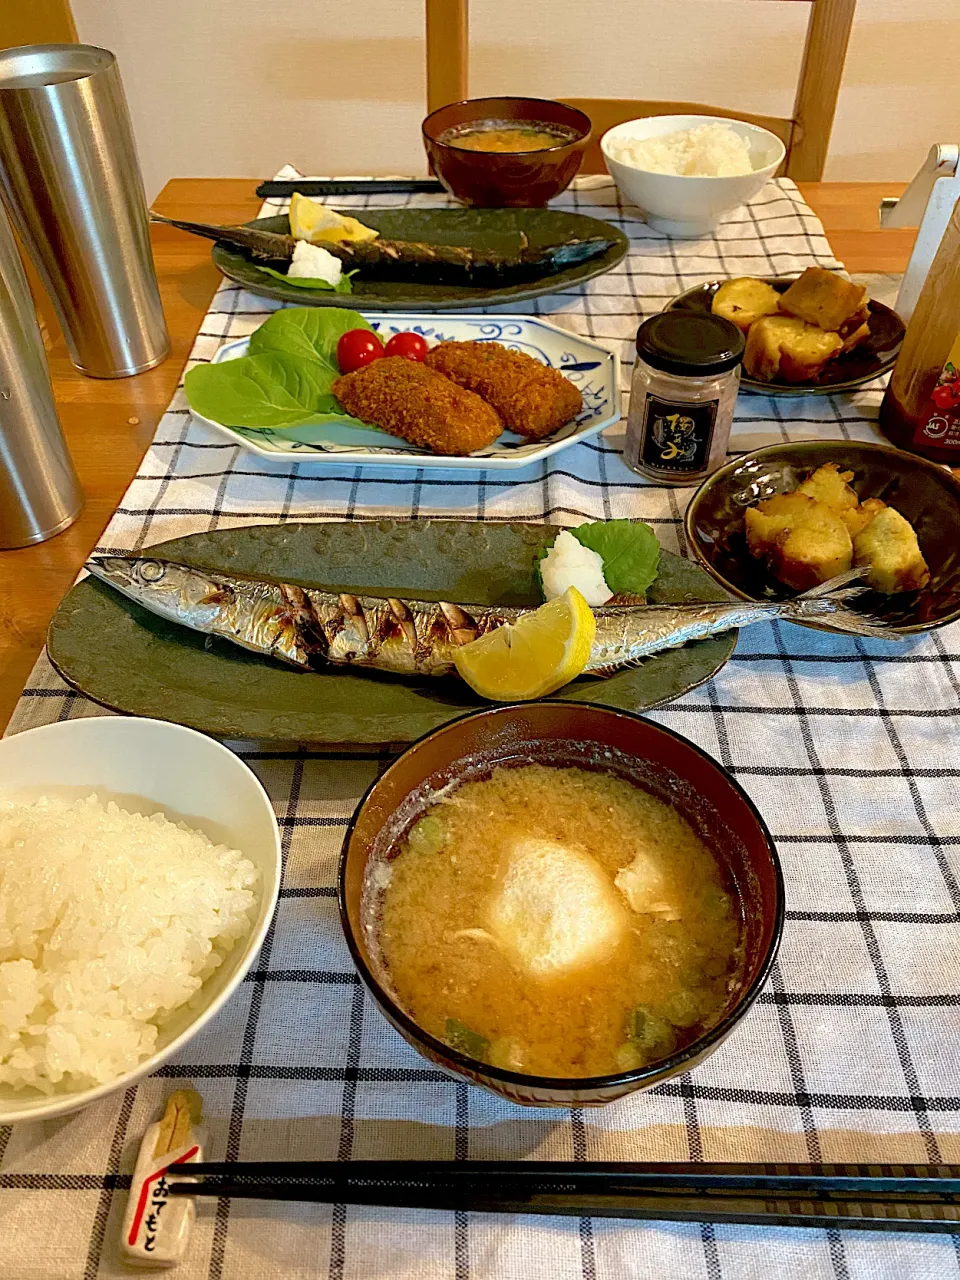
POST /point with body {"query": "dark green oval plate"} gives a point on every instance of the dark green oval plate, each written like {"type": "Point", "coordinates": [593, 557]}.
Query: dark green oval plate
{"type": "Point", "coordinates": [118, 654]}
{"type": "Point", "coordinates": [874, 356]}
{"type": "Point", "coordinates": [480, 228]}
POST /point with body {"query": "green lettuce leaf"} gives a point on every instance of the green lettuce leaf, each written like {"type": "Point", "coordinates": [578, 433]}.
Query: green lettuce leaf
{"type": "Point", "coordinates": [271, 389]}
{"type": "Point", "coordinates": [312, 333]}
{"type": "Point", "coordinates": [629, 550]}
{"type": "Point", "coordinates": [309, 282]}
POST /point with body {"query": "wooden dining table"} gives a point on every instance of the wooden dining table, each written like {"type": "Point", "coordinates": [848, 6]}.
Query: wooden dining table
{"type": "Point", "coordinates": [109, 424]}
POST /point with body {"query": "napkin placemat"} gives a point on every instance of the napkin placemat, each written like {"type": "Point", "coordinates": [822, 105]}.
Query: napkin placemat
{"type": "Point", "coordinates": [848, 747]}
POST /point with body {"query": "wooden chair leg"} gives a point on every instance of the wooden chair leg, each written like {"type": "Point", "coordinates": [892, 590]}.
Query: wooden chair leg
{"type": "Point", "coordinates": [447, 53]}
{"type": "Point", "coordinates": [823, 57]}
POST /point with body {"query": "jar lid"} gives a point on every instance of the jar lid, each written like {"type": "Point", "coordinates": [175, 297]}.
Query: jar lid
{"type": "Point", "coordinates": [692, 344]}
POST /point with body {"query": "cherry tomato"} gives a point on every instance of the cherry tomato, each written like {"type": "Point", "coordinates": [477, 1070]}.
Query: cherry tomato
{"type": "Point", "coordinates": [409, 345]}
{"type": "Point", "coordinates": [356, 348]}
{"type": "Point", "coordinates": [944, 396]}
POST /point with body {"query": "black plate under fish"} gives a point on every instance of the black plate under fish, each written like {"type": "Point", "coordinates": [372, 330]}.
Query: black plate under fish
{"type": "Point", "coordinates": [475, 228]}
{"type": "Point", "coordinates": [130, 660]}
{"type": "Point", "coordinates": [925, 494]}
{"type": "Point", "coordinates": [872, 357]}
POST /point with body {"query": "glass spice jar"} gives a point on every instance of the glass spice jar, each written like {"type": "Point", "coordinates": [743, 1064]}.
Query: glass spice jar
{"type": "Point", "coordinates": [682, 395]}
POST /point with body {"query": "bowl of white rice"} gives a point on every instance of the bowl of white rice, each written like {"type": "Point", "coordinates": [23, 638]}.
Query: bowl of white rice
{"type": "Point", "coordinates": [139, 870]}
{"type": "Point", "coordinates": [686, 172]}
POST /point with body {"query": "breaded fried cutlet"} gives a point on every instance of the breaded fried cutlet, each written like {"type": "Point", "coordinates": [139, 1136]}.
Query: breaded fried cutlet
{"type": "Point", "coordinates": [788, 348]}
{"type": "Point", "coordinates": [745, 300]}
{"type": "Point", "coordinates": [408, 400]}
{"type": "Point", "coordinates": [531, 398]}
{"type": "Point", "coordinates": [823, 298]}
{"type": "Point", "coordinates": [889, 546]}
{"type": "Point", "coordinates": [804, 542]}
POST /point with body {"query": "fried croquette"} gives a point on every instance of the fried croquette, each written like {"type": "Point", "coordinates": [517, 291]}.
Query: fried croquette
{"type": "Point", "coordinates": [408, 400]}
{"type": "Point", "coordinates": [889, 546]}
{"type": "Point", "coordinates": [531, 398]}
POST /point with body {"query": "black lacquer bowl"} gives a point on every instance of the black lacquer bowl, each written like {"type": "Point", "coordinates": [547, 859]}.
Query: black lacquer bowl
{"type": "Point", "coordinates": [927, 495]}
{"type": "Point", "coordinates": [564, 734]}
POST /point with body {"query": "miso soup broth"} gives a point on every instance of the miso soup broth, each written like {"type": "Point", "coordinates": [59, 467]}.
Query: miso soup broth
{"type": "Point", "coordinates": [558, 922]}
{"type": "Point", "coordinates": [507, 135]}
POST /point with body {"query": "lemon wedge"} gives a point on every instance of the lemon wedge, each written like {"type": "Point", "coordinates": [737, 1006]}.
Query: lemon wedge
{"type": "Point", "coordinates": [312, 221]}
{"type": "Point", "coordinates": [533, 656]}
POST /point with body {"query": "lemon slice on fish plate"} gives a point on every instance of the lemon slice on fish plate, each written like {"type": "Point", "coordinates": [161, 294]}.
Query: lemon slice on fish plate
{"type": "Point", "coordinates": [533, 656]}
{"type": "Point", "coordinates": [310, 220]}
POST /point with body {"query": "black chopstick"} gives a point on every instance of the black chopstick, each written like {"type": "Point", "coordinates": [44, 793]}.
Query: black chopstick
{"type": "Point", "coordinates": [862, 1197]}
{"type": "Point", "coordinates": [612, 1176]}
{"type": "Point", "coordinates": [348, 186]}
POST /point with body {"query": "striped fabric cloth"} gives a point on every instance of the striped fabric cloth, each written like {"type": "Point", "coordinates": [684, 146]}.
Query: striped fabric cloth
{"type": "Point", "coordinates": [850, 750]}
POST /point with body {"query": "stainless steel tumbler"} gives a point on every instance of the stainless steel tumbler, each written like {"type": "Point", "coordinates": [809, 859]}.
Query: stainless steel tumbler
{"type": "Point", "coordinates": [71, 182]}
{"type": "Point", "coordinates": [39, 491]}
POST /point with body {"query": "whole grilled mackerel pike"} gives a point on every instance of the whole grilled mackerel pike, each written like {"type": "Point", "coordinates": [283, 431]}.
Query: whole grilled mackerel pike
{"type": "Point", "coordinates": [401, 257]}
{"type": "Point", "coordinates": [309, 627]}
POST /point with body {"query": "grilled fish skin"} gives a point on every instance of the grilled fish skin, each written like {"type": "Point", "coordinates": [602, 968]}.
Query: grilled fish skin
{"type": "Point", "coordinates": [398, 258]}
{"type": "Point", "coordinates": [309, 627]}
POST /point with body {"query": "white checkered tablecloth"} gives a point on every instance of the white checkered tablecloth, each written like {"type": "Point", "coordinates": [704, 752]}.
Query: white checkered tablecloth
{"type": "Point", "coordinates": [850, 751]}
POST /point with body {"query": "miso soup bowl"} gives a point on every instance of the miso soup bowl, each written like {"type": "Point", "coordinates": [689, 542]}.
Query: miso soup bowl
{"type": "Point", "coordinates": [597, 738]}
{"type": "Point", "coordinates": [505, 179]}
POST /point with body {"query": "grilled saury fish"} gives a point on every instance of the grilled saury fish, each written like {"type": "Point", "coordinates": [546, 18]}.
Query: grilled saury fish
{"type": "Point", "coordinates": [399, 258]}
{"type": "Point", "coordinates": [308, 627]}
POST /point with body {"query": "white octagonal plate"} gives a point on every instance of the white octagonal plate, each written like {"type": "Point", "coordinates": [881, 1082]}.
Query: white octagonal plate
{"type": "Point", "coordinates": [590, 367]}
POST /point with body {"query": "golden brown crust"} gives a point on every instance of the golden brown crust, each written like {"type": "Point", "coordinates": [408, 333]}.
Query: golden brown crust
{"type": "Point", "coordinates": [889, 546]}
{"type": "Point", "coordinates": [787, 348]}
{"type": "Point", "coordinates": [745, 300]}
{"type": "Point", "coordinates": [831, 486]}
{"type": "Point", "coordinates": [409, 400]}
{"type": "Point", "coordinates": [823, 298]}
{"type": "Point", "coordinates": [804, 542]}
{"type": "Point", "coordinates": [531, 398]}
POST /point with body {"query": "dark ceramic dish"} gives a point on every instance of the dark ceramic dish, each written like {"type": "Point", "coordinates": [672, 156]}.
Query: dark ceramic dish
{"type": "Point", "coordinates": [476, 228]}
{"type": "Point", "coordinates": [495, 179]}
{"type": "Point", "coordinates": [128, 659]}
{"type": "Point", "coordinates": [927, 495]}
{"type": "Point", "coordinates": [562, 733]}
{"type": "Point", "coordinates": [867, 361]}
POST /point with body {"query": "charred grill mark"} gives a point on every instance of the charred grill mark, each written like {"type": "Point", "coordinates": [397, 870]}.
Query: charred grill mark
{"type": "Point", "coordinates": [405, 625]}
{"type": "Point", "coordinates": [460, 627]}
{"type": "Point", "coordinates": [312, 640]}
{"type": "Point", "coordinates": [350, 606]}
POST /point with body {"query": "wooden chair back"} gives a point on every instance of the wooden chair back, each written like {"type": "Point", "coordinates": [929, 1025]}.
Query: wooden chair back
{"type": "Point", "coordinates": [805, 134]}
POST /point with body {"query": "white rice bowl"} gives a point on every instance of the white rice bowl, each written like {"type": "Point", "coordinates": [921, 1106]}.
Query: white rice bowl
{"type": "Point", "coordinates": [687, 171]}
{"type": "Point", "coordinates": [121, 933]}
{"type": "Point", "coordinates": [109, 922]}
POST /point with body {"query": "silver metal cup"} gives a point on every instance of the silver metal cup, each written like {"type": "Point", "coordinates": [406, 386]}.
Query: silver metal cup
{"type": "Point", "coordinates": [71, 182]}
{"type": "Point", "coordinates": [39, 491]}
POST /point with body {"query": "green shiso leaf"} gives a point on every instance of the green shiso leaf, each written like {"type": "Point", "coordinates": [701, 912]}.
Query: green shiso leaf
{"type": "Point", "coordinates": [629, 550]}
{"type": "Point", "coordinates": [309, 282]}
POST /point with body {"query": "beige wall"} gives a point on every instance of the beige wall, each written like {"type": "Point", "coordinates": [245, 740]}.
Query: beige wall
{"type": "Point", "coordinates": [237, 87]}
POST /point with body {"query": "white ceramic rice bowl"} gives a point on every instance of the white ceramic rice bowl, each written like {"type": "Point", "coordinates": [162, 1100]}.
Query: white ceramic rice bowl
{"type": "Point", "coordinates": [679, 204]}
{"type": "Point", "coordinates": [146, 766]}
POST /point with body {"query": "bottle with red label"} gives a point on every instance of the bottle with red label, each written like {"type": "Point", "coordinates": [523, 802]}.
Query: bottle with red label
{"type": "Point", "coordinates": [921, 407]}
